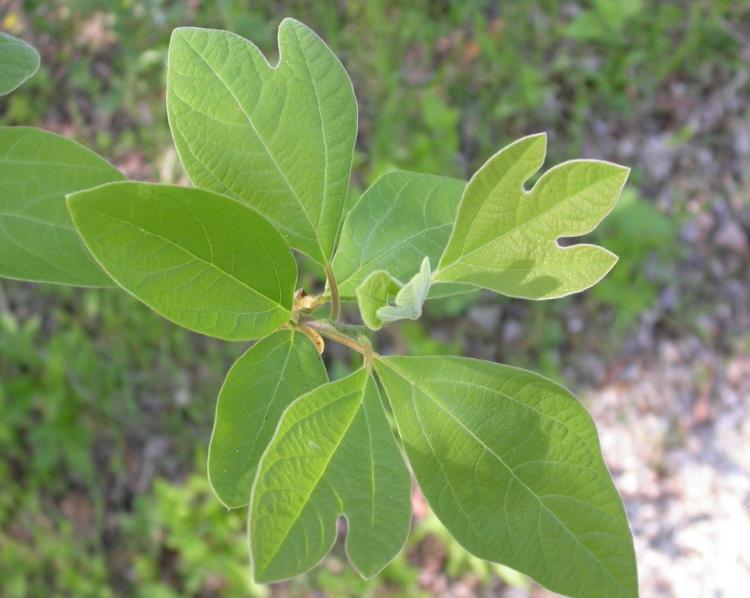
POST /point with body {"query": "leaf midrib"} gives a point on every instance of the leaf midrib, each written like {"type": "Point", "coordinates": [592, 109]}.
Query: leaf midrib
{"type": "Point", "coordinates": [319, 109]}
{"type": "Point", "coordinates": [262, 141]}
{"type": "Point", "coordinates": [37, 221]}
{"type": "Point", "coordinates": [68, 165]}
{"type": "Point", "coordinates": [248, 415]}
{"type": "Point", "coordinates": [371, 454]}
{"type": "Point", "coordinates": [324, 469]}
{"type": "Point", "coordinates": [363, 267]}
{"type": "Point", "coordinates": [41, 258]}
{"type": "Point", "coordinates": [195, 257]}
{"type": "Point", "coordinates": [545, 212]}
{"type": "Point", "coordinates": [365, 264]}
{"type": "Point", "coordinates": [472, 225]}
{"type": "Point", "coordinates": [520, 403]}
{"type": "Point", "coordinates": [274, 394]}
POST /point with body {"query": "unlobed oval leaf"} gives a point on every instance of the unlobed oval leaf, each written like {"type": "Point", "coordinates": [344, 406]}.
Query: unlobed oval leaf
{"type": "Point", "coordinates": [510, 463]}
{"type": "Point", "coordinates": [205, 261]}
{"type": "Point", "coordinates": [37, 239]}
{"type": "Point", "coordinates": [401, 218]}
{"type": "Point", "coordinates": [258, 388]}
{"type": "Point", "coordinates": [333, 454]}
{"type": "Point", "coordinates": [505, 238]}
{"type": "Point", "coordinates": [18, 62]}
{"type": "Point", "coordinates": [281, 138]}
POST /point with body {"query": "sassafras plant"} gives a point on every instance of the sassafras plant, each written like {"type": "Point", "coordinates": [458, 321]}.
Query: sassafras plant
{"type": "Point", "coordinates": [508, 460]}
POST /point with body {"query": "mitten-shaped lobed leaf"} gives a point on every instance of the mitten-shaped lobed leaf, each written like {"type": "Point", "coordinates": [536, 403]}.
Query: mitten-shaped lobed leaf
{"type": "Point", "coordinates": [505, 238]}
{"type": "Point", "coordinates": [204, 261]}
{"type": "Point", "coordinates": [37, 239]}
{"type": "Point", "coordinates": [510, 463]}
{"type": "Point", "coordinates": [259, 386]}
{"type": "Point", "coordinates": [281, 137]}
{"type": "Point", "coordinates": [401, 218]}
{"type": "Point", "coordinates": [333, 454]}
{"type": "Point", "coordinates": [18, 62]}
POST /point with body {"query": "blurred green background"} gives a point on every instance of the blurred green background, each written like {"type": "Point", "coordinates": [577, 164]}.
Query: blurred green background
{"type": "Point", "coordinates": [106, 409]}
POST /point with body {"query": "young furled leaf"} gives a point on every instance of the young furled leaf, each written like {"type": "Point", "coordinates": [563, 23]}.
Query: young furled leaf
{"type": "Point", "coordinates": [18, 62]}
{"type": "Point", "coordinates": [411, 297]}
{"type": "Point", "coordinates": [510, 463]}
{"type": "Point", "coordinates": [402, 217]}
{"type": "Point", "coordinates": [259, 386]}
{"type": "Point", "coordinates": [374, 293]}
{"type": "Point", "coordinates": [333, 453]}
{"type": "Point", "coordinates": [281, 138]}
{"type": "Point", "coordinates": [37, 239]}
{"type": "Point", "coordinates": [505, 238]}
{"type": "Point", "coordinates": [205, 261]}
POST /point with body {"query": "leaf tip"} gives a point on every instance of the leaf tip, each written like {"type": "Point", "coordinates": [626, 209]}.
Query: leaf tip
{"type": "Point", "coordinates": [291, 22]}
{"type": "Point", "coordinates": [290, 25]}
{"type": "Point", "coordinates": [540, 136]}
{"type": "Point", "coordinates": [180, 31]}
{"type": "Point", "coordinates": [177, 33]}
{"type": "Point", "coordinates": [624, 172]}
{"type": "Point", "coordinates": [614, 259]}
{"type": "Point", "coordinates": [536, 139]}
{"type": "Point", "coordinates": [620, 175]}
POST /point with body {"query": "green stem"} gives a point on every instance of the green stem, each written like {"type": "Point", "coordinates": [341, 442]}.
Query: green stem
{"type": "Point", "coordinates": [368, 353]}
{"type": "Point", "coordinates": [350, 329]}
{"type": "Point", "coordinates": [330, 331]}
{"type": "Point", "coordinates": [334, 290]}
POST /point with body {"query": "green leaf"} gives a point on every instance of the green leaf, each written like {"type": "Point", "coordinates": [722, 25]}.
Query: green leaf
{"type": "Point", "coordinates": [202, 260]}
{"type": "Point", "coordinates": [37, 238]}
{"type": "Point", "coordinates": [510, 463]}
{"type": "Point", "coordinates": [375, 292]}
{"type": "Point", "coordinates": [402, 217]}
{"type": "Point", "coordinates": [333, 454]}
{"type": "Point", "coordinates": [18, 62]}
{"type": "Point", "coordinates": [281, 137]}
{"type": "Point", "coordinates": [259, 386]}
{"type": "Point", "coordinates": [505, 238]}
{"type": "Point", "coordinates": [410, 298]}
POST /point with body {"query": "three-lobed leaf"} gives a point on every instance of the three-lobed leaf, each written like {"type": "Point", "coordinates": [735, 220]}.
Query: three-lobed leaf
{"type": "Point", "coordinates": [18, 62]}
{"type": "Point", "coordinates": [401, 218]}
{"type": "Point", "coordinates": [203, 260]}
{"type": "Point", "coordinates": [510, 463]}
{"type": "Point", "coordinates": [37, 239]}
{"type": "Point", "coordinates": [280, 138]}
{"type": "Point", "coordinates": [333, 454]}
{"type": "Point", "coordinates": [505, 238]}
{"type": "Point", "coordinates": [258, 388]}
